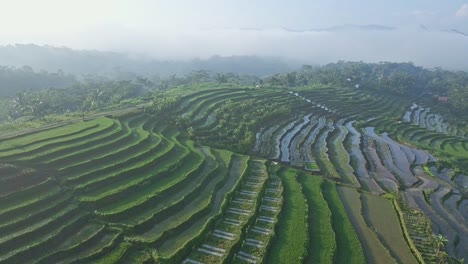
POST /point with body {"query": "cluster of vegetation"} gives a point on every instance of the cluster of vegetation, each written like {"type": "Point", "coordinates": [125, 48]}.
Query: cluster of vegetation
{"type": "Point", "coordinates": [85, 96]}
{"type": "Point", "coordinates": [14, 79]}
{"type": "Point", "coordinates": [162, 185]}
{"type": "Point", "coordinates": [27, 93]}
{"type": "Point", "coordinates": [238, 121]}
{"type": "Point", "coordinates": [404, 79]}
{"type": "Point", "coordinates": [95, 160]}
{"type": "Point", "coordinates": [291, 242]}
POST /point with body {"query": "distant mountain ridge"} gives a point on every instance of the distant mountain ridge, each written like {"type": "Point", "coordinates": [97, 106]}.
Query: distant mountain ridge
{"type": "Point", "coordinates": [347, 27]}
{"type": "Point", "coordinates": [340, 28]}
{"type": "Point", "coordinates": [82, 62]}
{"type": "Point", "coordinates": [354, 27]}
{"type": "Point", "coordinates": [459, 32]}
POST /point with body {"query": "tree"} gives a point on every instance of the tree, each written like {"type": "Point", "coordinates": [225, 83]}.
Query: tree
{"type": "Point", "coordinates": [198, 76]}
{"type": "Point", "coordinates": [439, 242]}
{"type": "Point", "coordinates": [291, 79]}
{"type": "Point", "coordinates": [221, 78]}
{"type": "Point", "coordinates": [458, 98]}
{"type": "Point", "coordinates": [274, 80]}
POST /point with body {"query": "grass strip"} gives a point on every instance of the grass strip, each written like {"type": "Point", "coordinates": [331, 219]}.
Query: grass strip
{"type": "Point", "coordinates": [348, 246]}
{"type": "Point", "coordinates": [290, 244]}
{"type": "Point", "coordinates": [322, 237]}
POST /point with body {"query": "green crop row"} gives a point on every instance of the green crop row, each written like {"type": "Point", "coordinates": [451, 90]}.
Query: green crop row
{"type": "Point", "coordinates": [127, 167]}
{"type": "Point", "coordinates": [52, 135]}
{"type": "Point", "coordinates": [236, 174]}
{"type": "Point", "coordinates": [172, 220]}
{"type": "Point", "coordinates": [142, 142]}
{"type": "Point", "coordinates": [152, 192]}
{"type": "Point", "coordinates": [87, 154]}
{"type": "Point", "coordinates": [322, 243]}
{"type": "Point", "coordinates": [69, 148]}
{"type": "Point", "coordinates": [152, 172]}
{"type": "Point", "coordinates": [76, 248]}
{"type": "Point", "coordinates": [254, 166]}
{"type": "Point", "coordinates": [191, 186]}
{"type": "Point", "coordinates": [291, 241]}
{"type": "Point", "coordinates": [100, 124]}
{"type": "Point", "coordinates": [348, 247]}
{"type": "Point", "coordinates": [21, 220]}
{"type": "Point", "coordinates": [33, 248]}
{"type": "Point", "coordinates": [381, 216]}
{"type": "Point", "coordinates": [261, 253]}
{"type": "Point", "coordinates": [374, 250]}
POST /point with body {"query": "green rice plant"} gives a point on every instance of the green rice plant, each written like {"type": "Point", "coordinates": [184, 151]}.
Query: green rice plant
{"type": "Point", "coordinates": [339, 157]}
{"type": "Point", "coordinates": [374, 250]}
{"type": "Point", "coordinates": [291, 241]}
{"type": "Point", "coordinates": [81, 243]}
{"type": "Point", "coordinates": [189, 101]}
{"type": "Point", "coordinates": [146, 174]}
{"type": "Point", "coordinates": [16, 198]}
{"type": "Point", "coordinates": [107, 189]}
{"type": "Point", "coordinates": [93, 149]}
{"type": "Point", "coordinates": [230, 246]}
{"type": "Point", "coordinates": [455, 149]}
{"type": "Point", "coordinates": [322, 237]}
{"type": "Point", "coordinates": [18, 220]}
{"type": "Point", "coordinates": [178, 246]}
{"type": "Point", "coordinates": [189, 187]}
{"type": "Point", "coordinates": [99, 245]}
{"type": "Point", "coordinates": [34, 247]}
{"type": "Point", "coordinates": [115, 255]}
{"type": "Point", "coordinates": [165, 186]}
{"type": "Point", "coordinates": [18, 150]}
{"type": "Point", "coordinates": [380, 215]}
{"type": "Point", "coordinates": [320, 152]}
{"type": "Point", "coordinates": [137, 255]}
{"type": "Point", "coordinates": [209, 106]}
{"type": "Point", "coordinates": [348, 246]}
{"type": "Point", "coordinates": [130, 166]}
{"type": "Point", "coordinates": [27, 204]}
{"type": "Point", "coordinates": [84, 145]}
{"type": "Point", "coordinates": [427, 170]}
{"type": "Point", "coordinates": [42, 154]}
{"type": "Point", "coordinates": [104, 148]}
{"type": "Point", "coordinates": [142, 143]}
{"type": "Point", "coordinates": [31, 140]}
{"type": "Point", "coordinates": [35, 230]}
{"type": "Point", "coordinates": [197, 108]}
{"type": "Point", "coordinates": [262, 251]}
{"type": "Point", "coordinates": [187, 212]}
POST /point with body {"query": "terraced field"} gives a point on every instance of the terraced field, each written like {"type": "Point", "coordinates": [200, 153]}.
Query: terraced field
{"type": "Point", "coordinates": [313, 186]}
{"type": "Point", "coordinates": [108, 177]}
{"type": "Point", "coordinates": [360, 157]}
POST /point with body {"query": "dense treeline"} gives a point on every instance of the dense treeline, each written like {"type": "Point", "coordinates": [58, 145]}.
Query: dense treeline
{"type": "Point", "coordinates": [13, 80]}
{"type": "Point", "coordinates": [40, 93]}
{"type": "Point", "coordinates": [84, 96]}
{"type": "Point", "coordinates": [115, 65]}
{"type": "Point", "coordinates": [38, 97]}
{"type": "Point", "coordinates": [404, 79]}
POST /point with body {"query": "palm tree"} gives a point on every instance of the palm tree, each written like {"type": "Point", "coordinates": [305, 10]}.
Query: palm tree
{"type": "Point", "coordinates": [439, 241]}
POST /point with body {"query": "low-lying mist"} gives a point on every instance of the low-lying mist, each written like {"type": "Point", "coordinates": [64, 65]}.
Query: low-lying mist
{"type": "Point", "coordinates": [423, 47]}
{"type": "Point", "coordinates": [447, 49]}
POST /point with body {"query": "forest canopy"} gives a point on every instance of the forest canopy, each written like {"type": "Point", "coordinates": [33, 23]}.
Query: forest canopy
{"type": "Point", "coordinates": [30, 93]}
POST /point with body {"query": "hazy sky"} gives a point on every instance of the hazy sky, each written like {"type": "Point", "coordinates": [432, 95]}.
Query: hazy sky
{"type": "Point", "coordinates": [190, 28]}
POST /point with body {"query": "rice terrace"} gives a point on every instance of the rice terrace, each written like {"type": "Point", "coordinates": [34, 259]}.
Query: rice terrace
{"type": "Point", "coordinates": [343, 163]}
